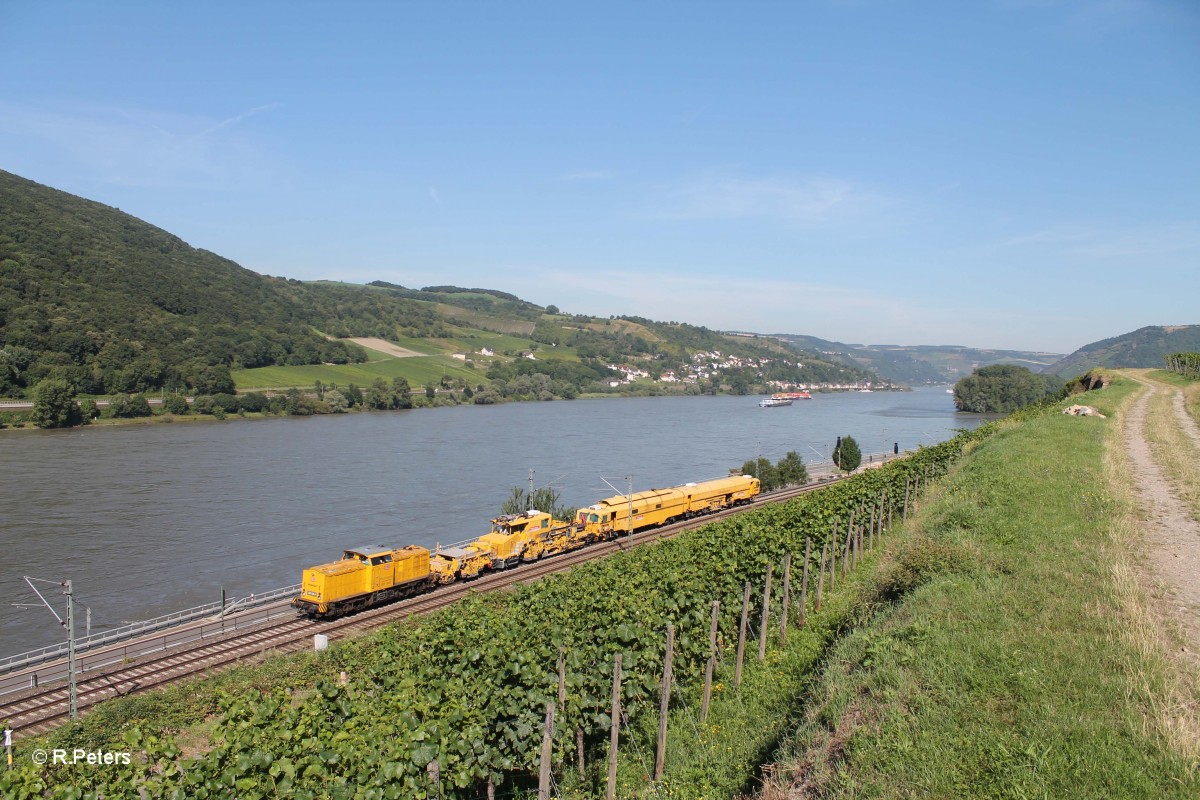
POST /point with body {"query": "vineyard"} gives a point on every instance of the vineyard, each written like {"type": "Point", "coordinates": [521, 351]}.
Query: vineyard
{"type": "Point", "coordinates": [1185, 364]}
{"type": "Point", "coordinates": [455, 704]}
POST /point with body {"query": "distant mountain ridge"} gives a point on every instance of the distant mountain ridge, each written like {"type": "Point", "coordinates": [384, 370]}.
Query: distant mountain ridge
{"type": "Point", "coordinates": [1146, 347]}
{"type": "Point", "coordinates": [916, 364]}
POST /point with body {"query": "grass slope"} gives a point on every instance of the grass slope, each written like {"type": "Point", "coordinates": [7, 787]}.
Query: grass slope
{"type": "Point", "coordinates": [1012, 673]}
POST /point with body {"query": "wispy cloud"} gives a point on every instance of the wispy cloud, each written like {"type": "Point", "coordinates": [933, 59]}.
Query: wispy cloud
{"type": "Point", "coordinates": [234, 120]}
{"type": "Point", "coordinates": [805, 201]}
{"type": "Point", "coordinates": [1097, 243]}
{"type": "Point", "coordinates": [1155, 241]}
{"type": "Point", "coordinates": [433, 195]}
{"type": "Point", "coordinates": [586, 175]}
{"type": "Point", "coordinates": [140, 147]}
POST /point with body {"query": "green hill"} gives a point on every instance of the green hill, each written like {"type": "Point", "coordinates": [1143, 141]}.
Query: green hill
{"type": "Point", "coordinates": [1145, 347]}
{"type": "Point", "coordinates": [112, 304]}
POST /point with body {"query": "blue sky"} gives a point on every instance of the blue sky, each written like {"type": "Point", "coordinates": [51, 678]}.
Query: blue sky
{"type": "Point", "coordinates": [1014, 173]}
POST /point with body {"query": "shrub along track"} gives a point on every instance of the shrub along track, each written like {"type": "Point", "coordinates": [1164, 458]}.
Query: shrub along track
{"type": "Point", "coordinates": [39, 711]}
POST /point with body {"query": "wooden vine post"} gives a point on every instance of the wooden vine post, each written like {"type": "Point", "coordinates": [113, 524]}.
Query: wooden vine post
{"type": "Point", "coordinates": [787, 598]}
{"type": "Point", "coordinates": [562, 678]}
{"type": "Point", "coordinates": [664, 705]}
{"type": "Point", "coordinates": [766, 614]}
{"type": "Point", "coordinates": [804, 583]}
{"type": "Point", "coordinates": [846, 551]}
{"type": "Point", "coordinates": [615, 730]}
{"type": "Point", "coordinates": [741, 646]}
{"type": "Point", "coordinates": [821, 576]}
{"type": "Point", "coordinates": [435, 779]}
{"type": "Point", "coordinates": [712, 661]}
{"type": "Point", "coordinates": [547, 753]}
{"type": "Point", "coordinates": [833, 546]}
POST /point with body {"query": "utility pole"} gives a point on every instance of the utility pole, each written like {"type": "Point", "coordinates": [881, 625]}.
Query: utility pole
{"type": "Point", "coordinates": [73, 701]}
{"type": "Point", "coordinates": [69, 624]}
{"type": "Point", "coordinates": [629, 501]}
{"type": "Point", "coordinates": [629, 496]}
{"type": "Point", "coordinates": [529, 497]}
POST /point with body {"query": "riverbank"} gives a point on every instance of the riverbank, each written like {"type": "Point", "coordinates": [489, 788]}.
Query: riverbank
{"type": "Point", "coordinates": [1032, 667]}
{"type": "Point", "coordinates": [15, 415]}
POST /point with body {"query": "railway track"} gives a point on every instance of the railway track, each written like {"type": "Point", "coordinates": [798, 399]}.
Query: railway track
{"type": "Point", "coordinates": [39, 710]}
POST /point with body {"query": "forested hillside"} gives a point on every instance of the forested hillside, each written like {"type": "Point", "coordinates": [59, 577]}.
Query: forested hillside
{"type": "Point", "coordinates": [1145, 347]}
{"type": "Point", "coordinates": [112, 304]}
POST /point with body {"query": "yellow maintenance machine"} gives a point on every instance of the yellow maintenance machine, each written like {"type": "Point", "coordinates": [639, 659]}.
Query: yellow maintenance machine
{"type": "Point", "coordinates": [511, 535]}
{"type": "Point", "coordinates": [550, 539]}
{"type": "Point", "coordinates": [453, 563]}
{"type": "Point", "coordinates": [363, 577]}
{"type": "Point", "coordinates": [611, 516]}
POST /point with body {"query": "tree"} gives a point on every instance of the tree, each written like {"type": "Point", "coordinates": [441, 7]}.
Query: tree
{"type": "Point", "coordinates": [847, 455]}
{"type": "Point", "coordinates": [401, 393]}
{"type": "Point", "coordinates": [543, 499]}
{"type": "Point", "coordinates": [175, 404]}
{"type": "Point", "coordinates": [123, 406]}
{"type": "Point", "coordinates": [768, 476]}
{"type": "Point", "coordinates": [1001, 388]}
{"type": "Point", "coordinates": [337, 401]}
{"type": "Point", "coordinates": [87, 408]}
{"type": "Point", "coordinates": [253, 401]}
{"type": "Point", "coordinates": [791, 470]}
{"type": "Point", "coordinates": [54, 405]}
{"type": "Point", "coordinates": [378, 397]}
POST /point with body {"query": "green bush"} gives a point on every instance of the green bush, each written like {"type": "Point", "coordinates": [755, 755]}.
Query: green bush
{"type": "Point", "coordinates": [123, 406]}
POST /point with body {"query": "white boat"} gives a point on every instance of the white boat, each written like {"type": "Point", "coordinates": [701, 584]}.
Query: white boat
{"type": "Point", "coordinates": [774, 402]}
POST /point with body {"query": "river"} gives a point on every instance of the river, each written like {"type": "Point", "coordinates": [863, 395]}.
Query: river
{"type": "Point", "coordinates": [146, 520]}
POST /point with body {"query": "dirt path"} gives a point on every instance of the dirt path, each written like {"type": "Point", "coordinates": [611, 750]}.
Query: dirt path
{"type": "Point", "coordinates": [385, 347]}
{"type": "Point", "coordinates": [1186, 422]}
{"type": "Point", "coordinates": [1172, 537]}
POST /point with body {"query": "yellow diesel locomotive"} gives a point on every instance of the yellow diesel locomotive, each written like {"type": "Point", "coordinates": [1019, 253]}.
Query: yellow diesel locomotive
{"type": "Point", "coordinates": [364, 577]}
{"type": "Point", "coordinates": [376, 574]}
